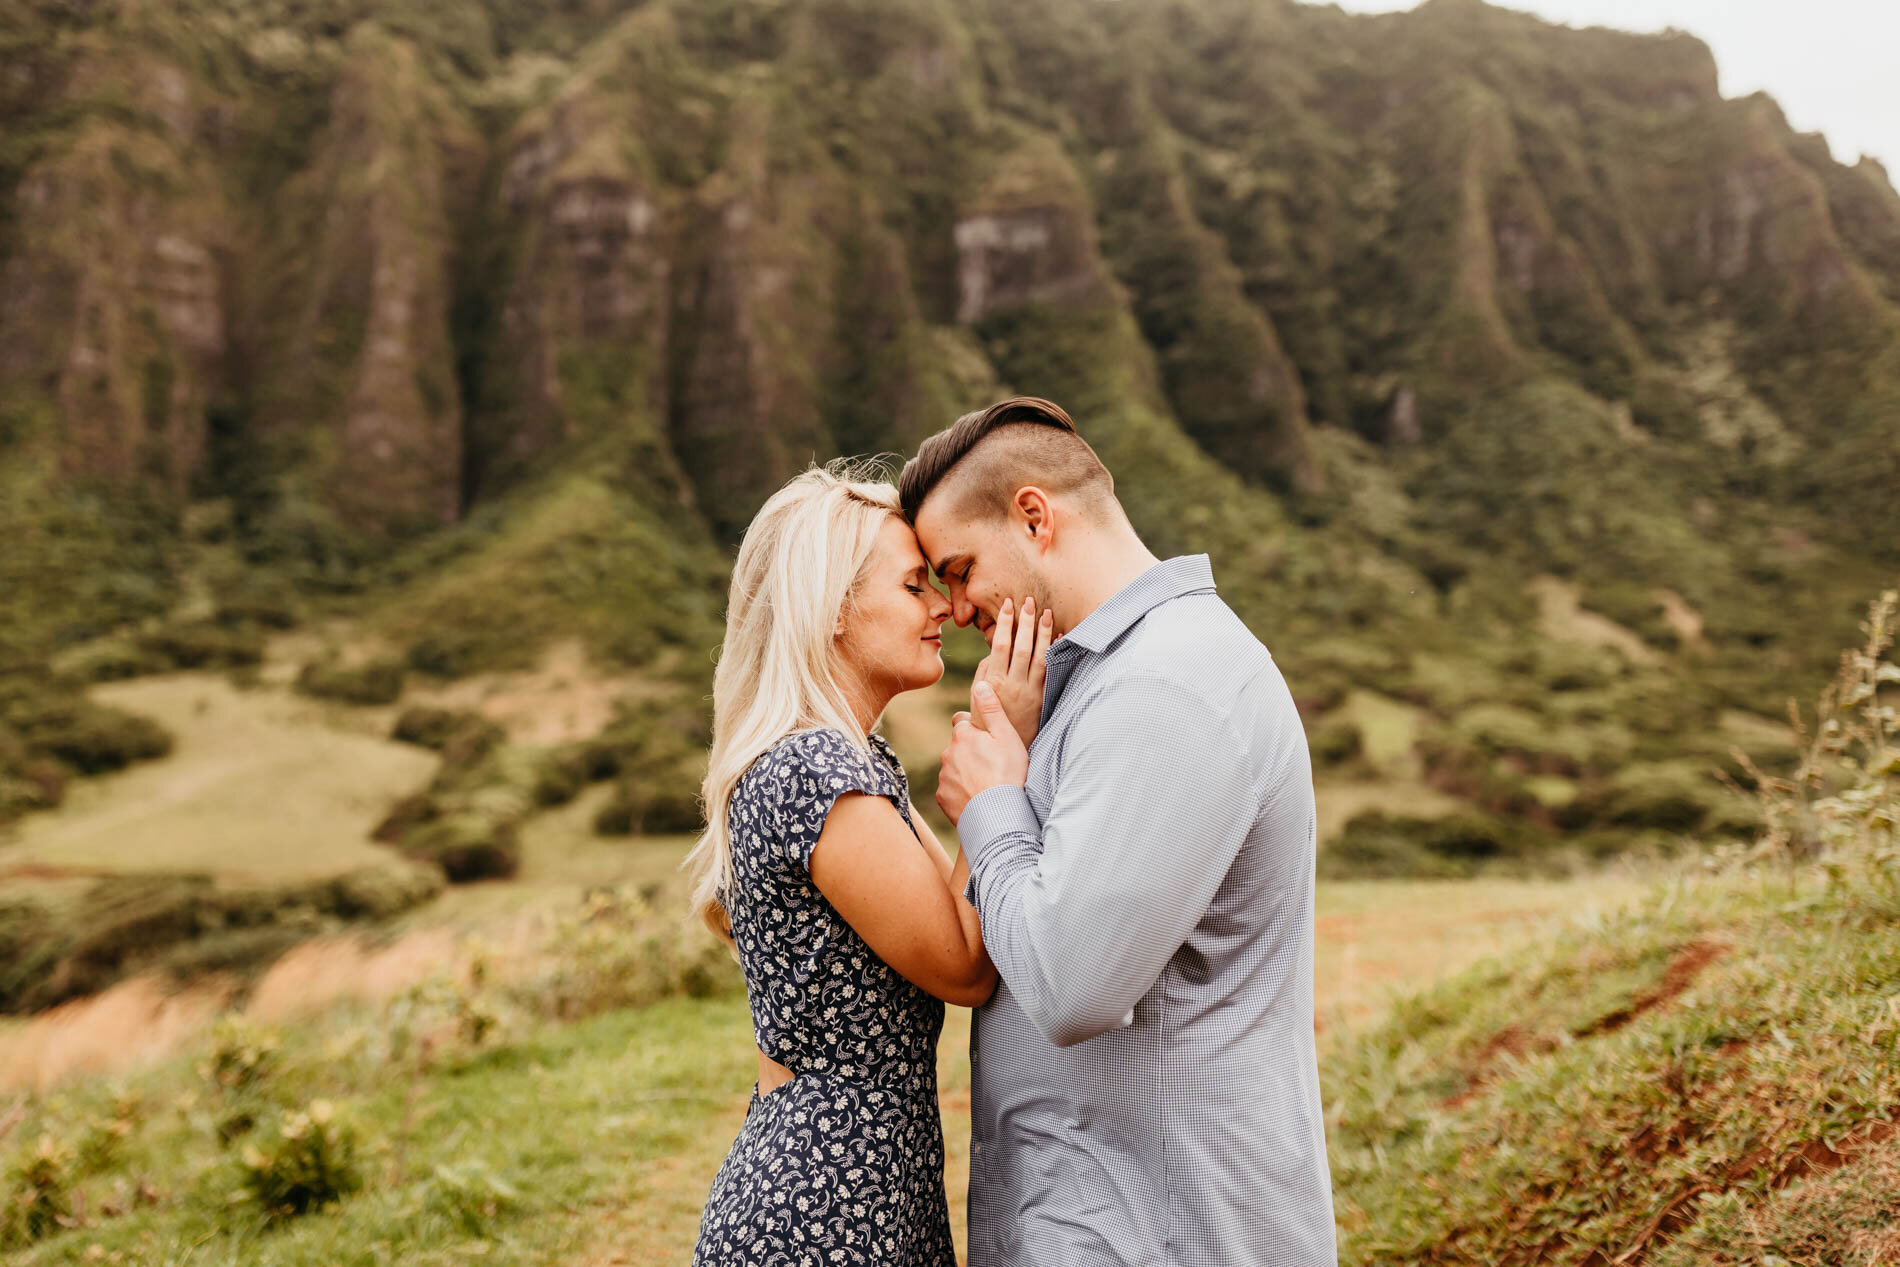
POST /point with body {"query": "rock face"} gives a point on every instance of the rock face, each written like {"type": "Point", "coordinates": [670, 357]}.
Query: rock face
{"type": "Point", "coordinates": [1037, 254]}
{"type": "Point", "coordinates": [112, 299]}
{"type": "Point", "coordinates": [366, 363]}
{"type": "Point", "coordinates": [409, 262]}
{"type": "Point", "coordinates": [586, 305]}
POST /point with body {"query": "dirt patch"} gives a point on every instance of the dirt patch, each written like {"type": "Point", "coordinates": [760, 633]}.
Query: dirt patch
{"type": "Point", "coordinates": [1685, 620]}
{"type": "Point", "coordinates": [1679, 976]}
{"type": "Point", "coordinates": [146, 1019]}
{"type": "Point", "coordinates": [1513, 1042]}
{"type": "Point", "coordinates": [1561, 616]}
{"type": "Point", "coordinates": [1786, 1165]}
{"type": "Point", "coordinates": [133, 1022]}
{"type": "Point", "coordinates": [319, 974]}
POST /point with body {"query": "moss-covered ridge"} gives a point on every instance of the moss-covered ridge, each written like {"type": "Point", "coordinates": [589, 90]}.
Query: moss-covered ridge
{"type": "Point", "coordinates": [1391, 315]}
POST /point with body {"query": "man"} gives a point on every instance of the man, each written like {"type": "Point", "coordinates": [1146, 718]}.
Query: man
{"type": "Point", "coordinates": [1144, 1083]}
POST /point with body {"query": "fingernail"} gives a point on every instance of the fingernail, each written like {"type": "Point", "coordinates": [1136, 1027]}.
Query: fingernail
{"type": "Point", "coordinates": [985, 691]}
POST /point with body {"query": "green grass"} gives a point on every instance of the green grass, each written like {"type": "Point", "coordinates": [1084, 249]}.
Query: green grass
{"type": "Point", "coordinates": [1579, 1099]}
{"type": "Point", "coordinates": [580, 1121]}
{"type": "Point", "coordinates": [1605, 1054]}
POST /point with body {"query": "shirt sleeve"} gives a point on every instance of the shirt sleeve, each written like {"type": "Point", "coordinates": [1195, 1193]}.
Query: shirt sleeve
{"type": "Point", "coordinates": [1082, 911]}
{"type": "Point", "coordinates": [811, 771]}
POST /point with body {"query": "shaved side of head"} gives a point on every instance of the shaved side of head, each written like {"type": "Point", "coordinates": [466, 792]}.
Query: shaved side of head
{"type": "Point", "coordinates": [984, 457]}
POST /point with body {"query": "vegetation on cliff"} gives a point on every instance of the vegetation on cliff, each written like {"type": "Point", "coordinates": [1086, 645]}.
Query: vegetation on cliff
{"type": "Point", "coordinates": [491, 324]}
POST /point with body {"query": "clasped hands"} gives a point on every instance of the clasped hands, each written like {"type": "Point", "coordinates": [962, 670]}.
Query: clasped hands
{"type": "Point", "coordinates": [989, 745]}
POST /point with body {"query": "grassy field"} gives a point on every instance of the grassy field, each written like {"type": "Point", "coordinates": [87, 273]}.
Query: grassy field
{"type": "Point", "coordinates": [261, 785]}
{"type": "Point", "coordinates": [608, 1131]}
{"type": "Point", "coordinates": [1751, 1018]}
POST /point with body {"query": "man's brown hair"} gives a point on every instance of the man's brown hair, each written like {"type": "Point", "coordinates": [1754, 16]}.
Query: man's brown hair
{"type": "Point", "coordinates": [1022, 440]}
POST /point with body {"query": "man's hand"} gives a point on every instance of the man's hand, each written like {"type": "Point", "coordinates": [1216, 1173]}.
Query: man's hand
{"type": "Point", "coordinates": [1019, 643]}
{"type": "Point", "coordinates": [980, 759]}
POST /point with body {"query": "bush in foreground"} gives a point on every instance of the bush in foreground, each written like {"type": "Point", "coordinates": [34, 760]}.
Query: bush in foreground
{"type": "Point", "coordinates": [307, 1161]}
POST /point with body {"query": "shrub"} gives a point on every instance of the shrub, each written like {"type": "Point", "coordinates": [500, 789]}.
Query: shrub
{"type": "Point", "coordinates": [1570, 666]}
{"type": "Point", "coordinates": [467, 846]}
{"type": "Point", "coordinates": [1543, 746]}
{"type": "Point", "coordinates": [111, 659]}
{"type": "Point", "coordinates": [94, 739]}
{"type": "Point", "coordinates": [373, 682]}
{"type": "Point", "coordinates": [38, 1194]}
{"type": "Point", "coordinates": [308, 1162]}
{"type": "Point", "coordinates": [657, 751]}
{"type": "Point", "coordinates": [1675, 796]}
{"type": "Point", "coordinates": [1374, 843]}
{"type": "Point", "coordinates": [46, 717]}
{"type": "Point", "coordinates": [102, 1139]}
{"type": "Point", "coordinates": [638, 807]}
{"type": "Point", "coordinates": [560, 774]}
{"type": "Point", "coordinates": [1845, 792]}
{"type": "Point", "coordinates": [381, 892]}
{"type": "Point", "coordinates": [204, 644]}
{"type": "Point", "coordinates": [440, 728]}
{"type": "Point", "coordinates": [258, 598]}
{"type": "Point", "coordinates": [32, 784]}
{"type": "Point", "coordinates": [469, 1195]}
{"type": "Point", "coordinates": [30, 943]}
{"type": "Point", "coordinates": [1334, 742]}
{"type": "Point", "coordinates": [243, 1056]}
{"type": "Point", "coordinates": [469, 743]}
{"type": "Point", "coordinates": [615, 952]}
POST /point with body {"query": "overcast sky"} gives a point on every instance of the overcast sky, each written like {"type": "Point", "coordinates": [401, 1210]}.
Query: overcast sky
{"type": "Point", "coordinates": [1833, 65]}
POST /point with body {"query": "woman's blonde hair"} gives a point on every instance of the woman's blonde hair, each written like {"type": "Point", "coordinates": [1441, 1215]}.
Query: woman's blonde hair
{"type": "Point", "coordinates": [798, 570]}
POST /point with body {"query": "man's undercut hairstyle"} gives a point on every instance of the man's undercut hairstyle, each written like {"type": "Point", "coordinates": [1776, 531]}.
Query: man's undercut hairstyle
{"type": "Point", "coordinates": [985, 456]}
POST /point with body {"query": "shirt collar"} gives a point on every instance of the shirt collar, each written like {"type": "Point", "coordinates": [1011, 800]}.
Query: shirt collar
{"type": "Point", "coordinates": [1169, 579]}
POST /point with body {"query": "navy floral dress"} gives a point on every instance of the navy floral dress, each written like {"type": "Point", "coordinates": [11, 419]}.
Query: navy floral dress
{"type": "Point", "coordinates": [843, 1165]}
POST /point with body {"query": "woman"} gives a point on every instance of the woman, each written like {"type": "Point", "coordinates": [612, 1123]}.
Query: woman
{"type": "Point", "coordinates": [848, 917]}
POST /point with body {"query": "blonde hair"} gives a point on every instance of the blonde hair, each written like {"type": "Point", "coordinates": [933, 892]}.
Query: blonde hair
{"type": "Point", "coordinates": [798, 569]}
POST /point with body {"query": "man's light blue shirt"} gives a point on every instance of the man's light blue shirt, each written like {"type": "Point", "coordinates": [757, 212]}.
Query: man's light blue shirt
{"type": "Point", "coordinates": [1144, 1082]}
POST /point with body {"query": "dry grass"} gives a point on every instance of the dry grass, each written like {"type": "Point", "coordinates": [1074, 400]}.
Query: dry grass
{"type": "Point", "coordinates": [262, 785]}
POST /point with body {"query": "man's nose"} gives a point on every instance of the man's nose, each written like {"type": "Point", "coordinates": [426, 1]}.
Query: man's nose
{"type": "Point", "coordinates": [965, 612]}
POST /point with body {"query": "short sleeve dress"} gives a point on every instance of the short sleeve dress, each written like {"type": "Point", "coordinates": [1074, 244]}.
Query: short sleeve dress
{"type": "Point", "coordinates": [843, 1165]}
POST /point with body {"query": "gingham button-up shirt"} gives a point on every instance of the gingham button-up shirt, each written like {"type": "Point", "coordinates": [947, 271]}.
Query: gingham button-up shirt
{"type": "Point", "coordinates": [1144, 1083]}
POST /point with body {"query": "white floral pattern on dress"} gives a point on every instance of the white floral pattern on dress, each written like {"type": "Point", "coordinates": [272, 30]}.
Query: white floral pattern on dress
{"type": "Point", "coordinates": [843, 1165]}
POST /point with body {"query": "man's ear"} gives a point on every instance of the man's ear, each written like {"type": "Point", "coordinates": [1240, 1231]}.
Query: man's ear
{"type": "Point", "coordinates": [1033, 512]}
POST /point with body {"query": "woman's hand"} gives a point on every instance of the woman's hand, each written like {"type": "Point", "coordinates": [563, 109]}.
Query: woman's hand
{"type": "Point", "coordinates": [1014, 667]}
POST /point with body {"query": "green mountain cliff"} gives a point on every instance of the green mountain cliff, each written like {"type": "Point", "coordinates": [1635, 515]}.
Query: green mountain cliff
{"type": "Point", "coordinates": [502, 317]}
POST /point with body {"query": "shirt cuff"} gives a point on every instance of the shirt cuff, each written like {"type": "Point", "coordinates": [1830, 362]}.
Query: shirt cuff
{"type": "Point", "coordinates": [993, 813]}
